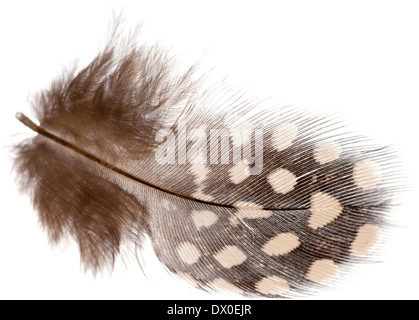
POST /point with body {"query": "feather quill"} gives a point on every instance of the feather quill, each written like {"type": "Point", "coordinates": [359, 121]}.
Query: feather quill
{"type": "Point", "coordinates": [235, 195]}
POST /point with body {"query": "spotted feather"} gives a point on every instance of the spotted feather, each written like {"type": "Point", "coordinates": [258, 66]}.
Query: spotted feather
{"type": "Point", "coordinates": [235, 195]}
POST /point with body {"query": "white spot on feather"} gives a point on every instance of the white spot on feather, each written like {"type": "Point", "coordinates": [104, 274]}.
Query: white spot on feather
{"type": "Point", "coordinates": [168, 205]}
{"type": "Point", "coordinates": [322, 271]}
{"type": "Point", "coordinates": [284, 136]}
{"type": "Point", "coordinates": [239, 172]}
{"type": "Point", "coordinates": [282, 181]}
{"type": "Point", "coordinates": [253, 214]}
{"type": "Point", "coordinates": [272, 285]}
{"type": "Point", "coordinates": [250, 210]}
{"type": "Point", "coordinates": [230, 256]}
{"type": "Point", "coordinates": [188, 253]}
{"type": "Point", "coordinates": [246, 205]}
{"type": "Point", "coordinates": [204, 218]}
{"type": "Point", "coordinates": [327, 151]}
{"type": "Point", "coordinates": [324, 209]}
{"type": "Point", "coordinates": [366, 174]}
{"type": "Point", "coordinates": [281, 244]}
{"type": "Point", "coordinates": [200, 172]}
{"type": "Point", "coordinates": [365, 239]}
{"type": "Point", "coordinates": [200, 195]}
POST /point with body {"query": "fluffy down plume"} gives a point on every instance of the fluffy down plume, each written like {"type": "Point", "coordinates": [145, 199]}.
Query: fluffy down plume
{"type": "Point", "coordinates": [234, 195]}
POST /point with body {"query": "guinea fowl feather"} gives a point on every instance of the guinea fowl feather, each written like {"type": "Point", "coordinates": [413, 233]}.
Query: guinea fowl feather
{"type": "Point", "coordinates": [234, 194]}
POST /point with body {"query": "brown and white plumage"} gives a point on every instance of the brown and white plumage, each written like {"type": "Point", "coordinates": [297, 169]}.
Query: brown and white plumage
{"type": "Point", "coordinates": [94, 171]}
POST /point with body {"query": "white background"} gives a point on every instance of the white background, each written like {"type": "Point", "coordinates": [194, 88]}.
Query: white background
{"type": "Point", "coordinates": [359, 59]}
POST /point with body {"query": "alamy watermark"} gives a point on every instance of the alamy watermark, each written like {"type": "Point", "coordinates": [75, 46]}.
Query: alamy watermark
{"type": "Point", "coordinates": [213, 146]}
